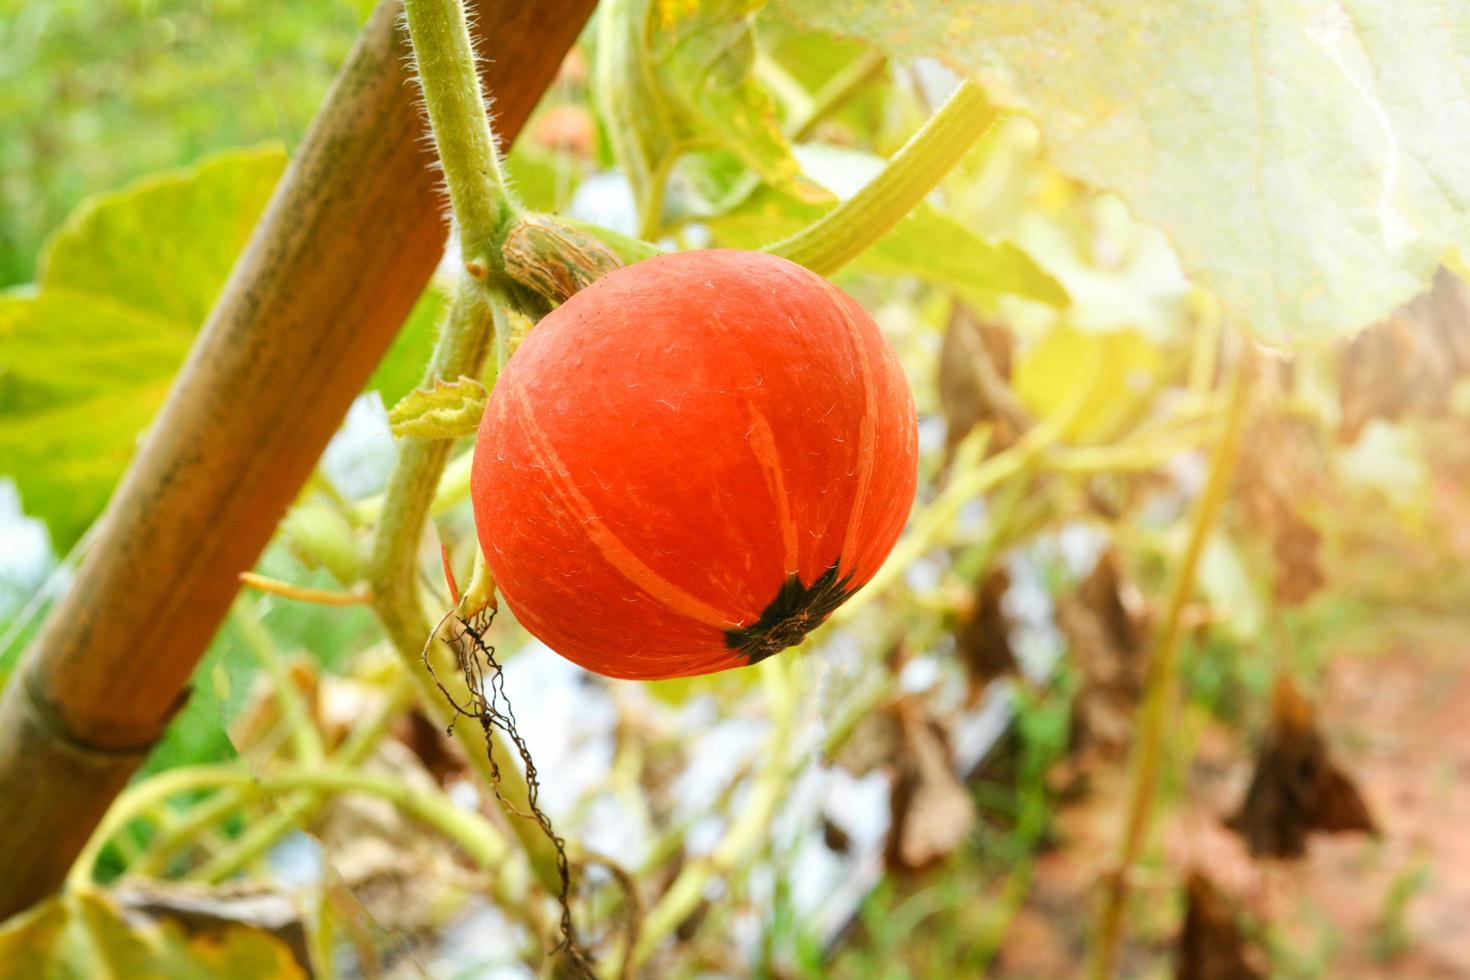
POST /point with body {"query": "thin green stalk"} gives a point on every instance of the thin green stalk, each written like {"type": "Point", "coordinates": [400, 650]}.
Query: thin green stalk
{"type": "Point", "coordinates": [168, 842]}
{"type": "Point", "coordinates": [805, 111]}
{"type": "Point", "coordinates": [446, 65]}
{"type": "Point", "coordinates": [789, 92]}
{"type": "Point", "coordinates": [482, 208]}
{"type": "Point", "coordinates": [932, 523]}
{"type": "Point", "coordinates": [835, 93]}
{"type": "Point", "coordinates": [453, 489]}
{"type": "Point", "coordinates": [1123, 457]}
{"type": "Point", "coordinates": [398, 606]}
{"type": "Point", "coordinates": [511, 784]}
{"type": "Point", "coordinates": [305, 739]}
{"type": "Point", "coordinates": [1161, 687]}
{"type": "Point", "coordinates": [359, 743]}
{"type": "Point", "coordinates": [259, 839]}
{"type": "Point", "coordinates": [843, 233]}
{"type": "Point", "coordinates": [469, 830]}
{"type": "Point", "coordinates": [747, 830]}
{"type": "Point", "coordinates": [295, 810]}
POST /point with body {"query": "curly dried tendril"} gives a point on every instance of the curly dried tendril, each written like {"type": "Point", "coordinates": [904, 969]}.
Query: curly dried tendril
{"type": "Point", "coordinates": [489, 706]}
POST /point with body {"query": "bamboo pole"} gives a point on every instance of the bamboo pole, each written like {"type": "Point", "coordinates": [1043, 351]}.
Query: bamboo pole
{"type": "Point", "coordinates": [349, 240]}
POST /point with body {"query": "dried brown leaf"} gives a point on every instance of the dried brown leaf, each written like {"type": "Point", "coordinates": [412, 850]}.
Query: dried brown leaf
{"type": "Point", "coordinates": [1297, 788]}
{"type": "Point", "coordinates": [932, 812]}
{"type": "Point", "coordinates": [1297, 552]}
{"type": "Point", "coordinates": [406, 879]}
{"type": "Point", "coordinates": [1106, 634]}
{"type": "Point", "coordinates": [838, 841]}
{"type": "Point", "coordinates": [436, 751]}
{"type": "Point", "coordinates": [209, 912]}
{"type": "Point", "coordinates": [974, 380]}
{"type": "Point", "coordinates": [1283, 463]}
{"type": "Point", "coordinates": [876, 742]}
{"type": "Point", "coordinates": [1211, 945]}
{"type": "Point", "coordinates": [983, 634]}
{"type": "Point", "coordinates": [259, 727]}
{"type": "Point", "coordinates": [1283, 472]}
{"type": "Point", "coordinates": [1410, 362]}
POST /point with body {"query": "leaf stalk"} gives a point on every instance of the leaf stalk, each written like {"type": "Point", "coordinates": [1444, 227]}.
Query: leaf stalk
{"type": "Point", "coordinates": [843, 233]}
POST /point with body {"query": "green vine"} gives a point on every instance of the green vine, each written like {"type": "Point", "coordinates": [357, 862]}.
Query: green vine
{"type": "Point", "coordinates": [484, 212]}
{"type": "Point", "coordinates": [843, 233]}
{"type": "Point", "coordinates": [445, 56]}
{"type": "Point", "coordinates": [183, 830]}
{"type": "Point", "coordinates": [477, 837]}
{"type": "Point", "coordinates": [1161, 685]}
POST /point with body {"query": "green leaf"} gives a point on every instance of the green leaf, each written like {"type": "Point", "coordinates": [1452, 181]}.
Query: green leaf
{"type": "Point", "coordinates": [83, 934]}
{"type": "Point", "coordinates": [87, 355]}
{"type": "Point", "coordinates": [448, 410]}
{"type": "Point", "coordinates": [675, 76]}
{"type": "Point", "coordinates": [165, 244]}
{"type": "Point", "coordinates": [536, 177]}
{"type": "Point", "coordinates": [927, 244]}
{"type": "Point", "coordinates": [1308, 160]}
{"type": "Point", "coordinates": [402, 368]}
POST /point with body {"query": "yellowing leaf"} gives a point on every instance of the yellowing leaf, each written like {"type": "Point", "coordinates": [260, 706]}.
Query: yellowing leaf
{"type": "Point", "coordinates": [448, 410]}
{"type": "Point", "coordinates": [1308, 159]}
{"type": "Point", "coordinates": [88, 353]}
{"type": "Point", "coordinates": [83, 934]}
{"type": "Point", "coordinates": [86, 357]}
{"type": "Point", "coordinates": [1120, 366]}
{"type": "Point", "coordinates": [674, 76]}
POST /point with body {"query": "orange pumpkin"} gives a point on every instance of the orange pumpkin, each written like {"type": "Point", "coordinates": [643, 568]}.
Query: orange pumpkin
{"type": "Point", "coordinates": [691, 463]}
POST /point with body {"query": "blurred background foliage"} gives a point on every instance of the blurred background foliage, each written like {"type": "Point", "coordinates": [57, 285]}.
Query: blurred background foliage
{"type": "Point", "coordinates": [96, 94]}
{"type": "Point", "coordinates": [949, 758]}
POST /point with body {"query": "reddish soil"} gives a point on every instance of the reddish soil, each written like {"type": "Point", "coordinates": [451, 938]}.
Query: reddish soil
{"type": "Point", "coordinates": [1355, 906]}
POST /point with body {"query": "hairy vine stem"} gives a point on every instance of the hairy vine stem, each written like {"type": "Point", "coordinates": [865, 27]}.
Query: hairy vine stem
{"type": "Point", "coordinates": [457, 114]}
{"type": "Point", "coordinates": [484, 210]}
